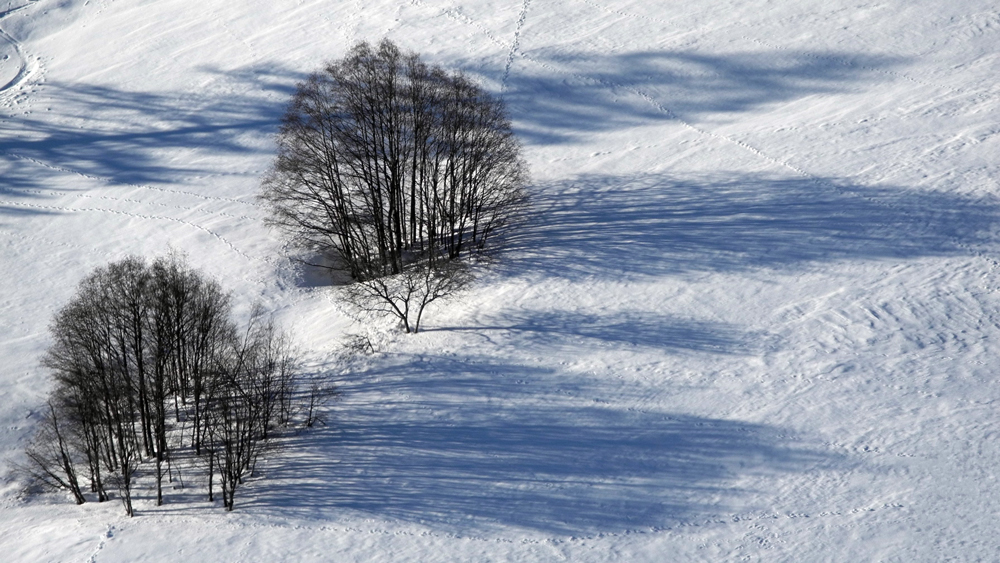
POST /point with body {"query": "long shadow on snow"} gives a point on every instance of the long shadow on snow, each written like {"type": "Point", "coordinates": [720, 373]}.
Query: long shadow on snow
{"type": "Point", "coordinates": [554, 329]}
{"type": "Point", "coordinates": [559, 97]}
{"type": "Point", "coordinates": [113, 133]}
{"type": "Point", "coordinates": [117, 134]}
{"type": "Point", "coordinates": [466, 444]}
{"type": "Point", "coordinates": [655, 224]}
{"type": "Point", "coordinates": [19, 192]}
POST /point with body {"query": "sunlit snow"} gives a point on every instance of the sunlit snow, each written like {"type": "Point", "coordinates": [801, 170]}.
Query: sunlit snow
{"type": "Point", "coordinates": [753, 313]}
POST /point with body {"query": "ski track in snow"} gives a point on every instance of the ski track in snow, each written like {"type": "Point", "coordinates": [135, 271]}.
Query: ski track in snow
{"type": "Point", "coordinates": [812, 309]}
{"type": "Point", "coordinates": [513, 51]}
{"type": "Point", "coordinates": [15, 56]}
{"type": "Point", "coordinates": [788, 165]}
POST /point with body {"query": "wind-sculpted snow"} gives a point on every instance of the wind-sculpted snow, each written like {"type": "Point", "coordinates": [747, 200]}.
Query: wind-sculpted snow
{"type": "Point", "coordinates": [751, 314]}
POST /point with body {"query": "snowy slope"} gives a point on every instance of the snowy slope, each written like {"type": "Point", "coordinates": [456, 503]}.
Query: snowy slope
{"type": "Point", "coordinates": [754, 316]}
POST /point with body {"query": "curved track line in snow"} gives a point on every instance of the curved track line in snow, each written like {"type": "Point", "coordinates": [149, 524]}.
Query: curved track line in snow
{"type": "Point", "coordinates": [14, 63]}
{"type": "Point", "coordinates": [459, 16]}
{"type": "Point", "coordinates": [19, 235]}
{"type": "Point", "coordinates": [787, 165]}
{"type": "Point", "coordinates": [514, 51]}
{"type": "Point", "coordinates": [112, 182]}
{"type": "Point", "coordinates": [135, 215]}
{"type": "Point", "coordinates": [56, 193]}
{"type": "Point", "coordinates": [622, 13]}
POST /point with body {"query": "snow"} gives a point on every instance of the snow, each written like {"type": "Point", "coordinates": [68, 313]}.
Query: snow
{"type": "Point", "coordinates": [753, 315]}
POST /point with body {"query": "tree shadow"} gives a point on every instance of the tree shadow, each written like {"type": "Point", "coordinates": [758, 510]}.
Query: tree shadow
{"type": "Point", "coordinates": [555, 329]}
{"type": "Point", "coordinates": [120, 135]}
{"type": "Point", "coordinates": [655, 224]}
{"type": "Point", "coordinates": [20, 194]}
{"type": "Point", "coordinates": [468, 444]}
{"type": "Point", "coordinates": [559, 97]}
{"type": "Point", "coordinates": [23, 211]}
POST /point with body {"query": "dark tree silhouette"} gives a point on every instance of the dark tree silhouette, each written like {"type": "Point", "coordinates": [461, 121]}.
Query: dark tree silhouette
{"type": "Point", "coordinates": [395, 168]}
{"type": "Point", "coordinates": [51, 458]}
{"type": "Point", "coordinates": [137, 351]}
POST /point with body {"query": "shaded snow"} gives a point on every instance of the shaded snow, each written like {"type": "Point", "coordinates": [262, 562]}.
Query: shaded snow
{"type": "Point", "coordinates": [753, 314]}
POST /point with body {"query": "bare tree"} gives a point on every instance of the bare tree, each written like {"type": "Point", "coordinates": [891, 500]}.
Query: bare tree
{"type": "Point", "coordinates": [398, 169]}
{"type": "Point", "coordinates": [137, 351]}
{"type": "Point", "coordinates": [252, 393]}
{"type": "Point", "coordinates": [406, 295]}
{"type": "Point", "coordinates": [51, 459]}
{"type": "Point", "coordinates": [98, 360]}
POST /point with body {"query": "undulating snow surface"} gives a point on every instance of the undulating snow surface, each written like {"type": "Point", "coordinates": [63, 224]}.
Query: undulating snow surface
{"type": "Point", "coordinates": [754, 314]}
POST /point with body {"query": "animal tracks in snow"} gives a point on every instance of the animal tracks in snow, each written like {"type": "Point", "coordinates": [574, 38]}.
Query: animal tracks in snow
{"type": "Point", "coordinates": [456, 14]}
{"type": "Point", "coordinates": [62, 209]}
{"type": "Point", "coordinates": [105, 537]}
{"type": "Point", "coordinates": [623, 13]}
{"type": "Point", "coordinates": [16, 70]}
{"type": "Point", "coordinates": [515, 45]}
{"type": "Point", "coordinates": [83, 195]}
{"type": "Point", "coordinates": [131, 203]}
{"type": "Point", "coordinates": [112, 182]}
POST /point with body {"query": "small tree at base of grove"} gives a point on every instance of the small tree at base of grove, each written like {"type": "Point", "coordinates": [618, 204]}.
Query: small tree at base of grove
{"type": "Point", "coordinates": [399, 170]}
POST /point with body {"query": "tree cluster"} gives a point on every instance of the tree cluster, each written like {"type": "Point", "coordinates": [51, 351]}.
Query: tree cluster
{"type": "Point", "coordinates": [397, 169]}
{"type": "Point", "coordinates": [147, 360]}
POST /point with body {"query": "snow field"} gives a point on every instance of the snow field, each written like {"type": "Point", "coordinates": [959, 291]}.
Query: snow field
{"type": "Point", "coordinates": [753, 316]}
